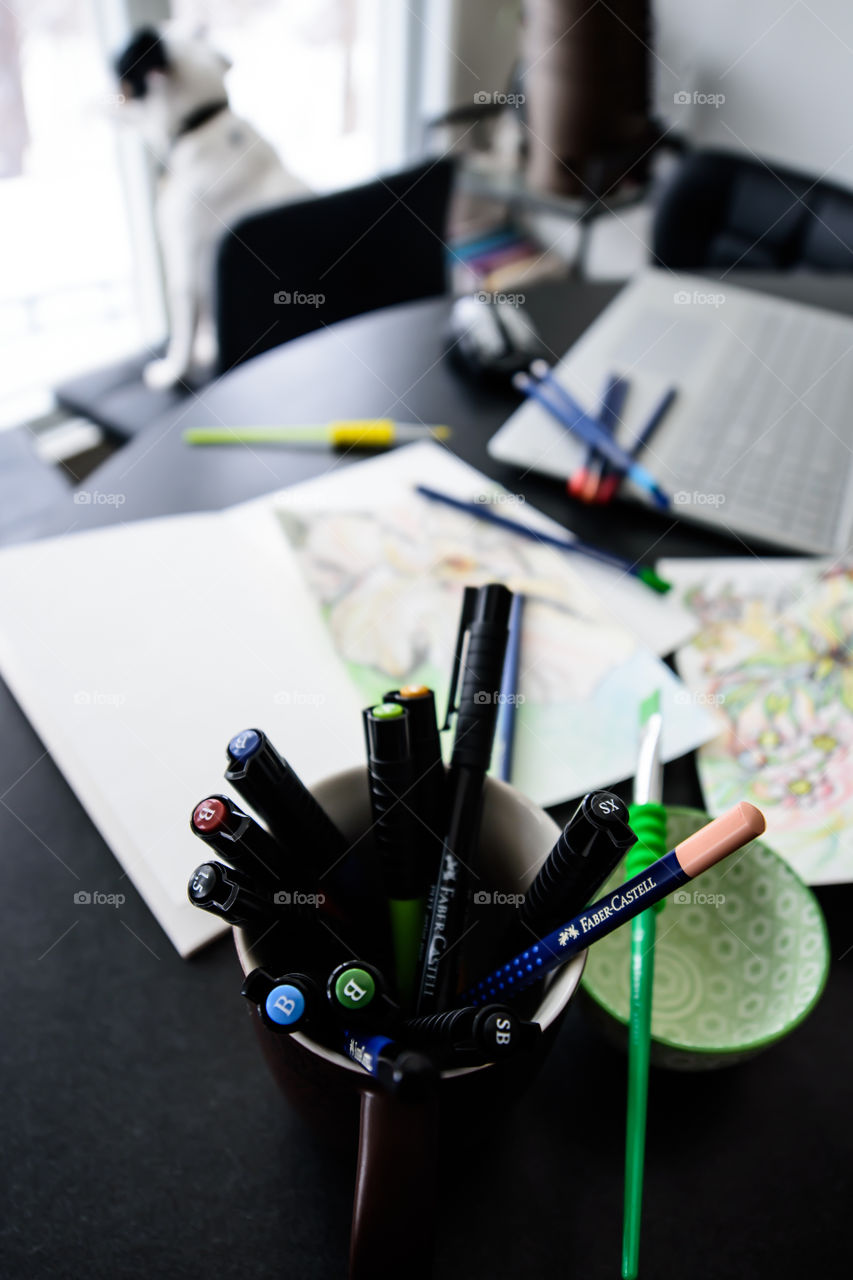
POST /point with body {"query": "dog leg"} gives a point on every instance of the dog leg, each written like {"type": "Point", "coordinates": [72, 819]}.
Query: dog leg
{"type": "Point", "coordinates": [177, 220]}
{"type": "Point", "coordinates": [175, 365]}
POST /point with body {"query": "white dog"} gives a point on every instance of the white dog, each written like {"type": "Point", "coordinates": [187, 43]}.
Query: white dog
{"type": "Point", "coordinates": [216, 169]}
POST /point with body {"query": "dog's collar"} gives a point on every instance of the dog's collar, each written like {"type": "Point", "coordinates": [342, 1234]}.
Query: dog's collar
{"type": "Point", "coordinates": [197, 118]}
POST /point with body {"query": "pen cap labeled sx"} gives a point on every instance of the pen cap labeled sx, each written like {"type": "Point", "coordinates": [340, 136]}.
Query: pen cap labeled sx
{"type": "Point", "coordinates": [590, 845]}
{"type": "Point", "coordinates": [482, 661]}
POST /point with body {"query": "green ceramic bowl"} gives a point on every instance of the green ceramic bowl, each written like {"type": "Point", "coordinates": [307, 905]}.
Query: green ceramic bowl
{"type": "Point", "coordinates": [741, 957]}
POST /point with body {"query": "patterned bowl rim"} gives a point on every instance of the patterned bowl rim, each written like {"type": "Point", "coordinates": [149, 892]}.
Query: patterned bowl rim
{"type": "Point", "coordinates": [747, 1045]}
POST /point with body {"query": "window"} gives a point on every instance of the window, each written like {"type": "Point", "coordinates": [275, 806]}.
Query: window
{"type": "Point", "coordinates": [66, 281]}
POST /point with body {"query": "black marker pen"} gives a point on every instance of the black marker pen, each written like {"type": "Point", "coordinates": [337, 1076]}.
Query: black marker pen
{"type": "Point", "coordinates": [237, 838]}
{"type": "Point", "coordinates": [593, 841]}
{"type": "Point", "coordinates": [291, 1003]}
{"type": "Point", "coordinates": [491, 1032]}
{"type": "Point", "coordinates": [407, 1073]}
{"type": "Point", "coordinates": [482, 667]}
{"type": "Point", "coordinates": [229, 894]}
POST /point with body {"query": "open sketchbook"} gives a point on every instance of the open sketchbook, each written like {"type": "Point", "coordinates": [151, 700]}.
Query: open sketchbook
{"type": "Point", "coordinates": [137, 652]}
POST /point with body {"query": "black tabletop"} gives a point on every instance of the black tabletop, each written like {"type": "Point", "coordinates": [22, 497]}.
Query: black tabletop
{"type": "Point", "coordinates": [143, 1135]}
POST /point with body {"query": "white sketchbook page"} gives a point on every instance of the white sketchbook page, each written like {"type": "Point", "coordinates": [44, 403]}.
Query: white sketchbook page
{"type": "Point", "coordinates": [138, 652]}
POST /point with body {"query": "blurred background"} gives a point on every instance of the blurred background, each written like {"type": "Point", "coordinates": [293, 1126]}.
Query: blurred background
{"type": "Point", "coordinates": [567, 122]}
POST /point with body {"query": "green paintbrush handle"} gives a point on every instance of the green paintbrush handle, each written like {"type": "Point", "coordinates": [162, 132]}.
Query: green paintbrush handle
{"type": "Point", "coordinates": [649, 823]}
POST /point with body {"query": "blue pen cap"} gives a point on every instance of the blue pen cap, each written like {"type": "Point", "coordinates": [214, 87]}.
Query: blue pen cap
{"type": "Point", "coordinates": [285, 1004]}
{"type": "Point", "coordinates": [244, 745]}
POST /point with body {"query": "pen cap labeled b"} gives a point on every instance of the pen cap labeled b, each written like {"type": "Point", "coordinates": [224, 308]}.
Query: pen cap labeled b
{"type": "Point", "coordinates": [482, 669]}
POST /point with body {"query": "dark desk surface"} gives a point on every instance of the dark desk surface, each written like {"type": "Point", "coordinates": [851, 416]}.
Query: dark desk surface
{"type": "Point", "coordinates": [143, 1135]}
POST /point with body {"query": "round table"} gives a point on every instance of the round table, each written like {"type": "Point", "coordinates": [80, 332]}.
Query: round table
{"type": "Point", "coordinates": [143, 1135]}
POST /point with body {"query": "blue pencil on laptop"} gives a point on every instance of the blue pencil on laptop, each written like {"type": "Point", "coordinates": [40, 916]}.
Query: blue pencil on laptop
{"type": "Point", "coordinates": [544, 388]}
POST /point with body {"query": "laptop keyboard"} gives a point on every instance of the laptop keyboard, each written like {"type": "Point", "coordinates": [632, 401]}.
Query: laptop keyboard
{"type": "Point", "coordinates": [761, 454]}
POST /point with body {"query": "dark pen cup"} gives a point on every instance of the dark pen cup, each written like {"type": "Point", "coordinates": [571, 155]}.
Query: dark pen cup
{"type": "Point", "coordinates": [398, 1141]}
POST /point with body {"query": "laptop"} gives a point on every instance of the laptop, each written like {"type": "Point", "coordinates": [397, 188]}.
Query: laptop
{"type": "Point", "coordinates": [759, 441]}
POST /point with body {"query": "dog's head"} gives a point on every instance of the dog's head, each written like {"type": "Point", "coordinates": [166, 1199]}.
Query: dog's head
{"type": "Point", "coordinates": [164, 77]}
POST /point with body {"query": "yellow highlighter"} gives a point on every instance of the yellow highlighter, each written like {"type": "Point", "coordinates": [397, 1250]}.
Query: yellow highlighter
{"type": "Point", "coordinates": [348, 433]}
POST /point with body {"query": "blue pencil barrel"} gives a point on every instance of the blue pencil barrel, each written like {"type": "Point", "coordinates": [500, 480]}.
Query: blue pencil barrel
{"type": "Point", "coordinates": [594, 922]}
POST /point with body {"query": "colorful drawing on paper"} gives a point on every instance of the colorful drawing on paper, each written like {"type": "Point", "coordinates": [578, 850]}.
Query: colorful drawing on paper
{"type": "Point", "coordinates": [389, 584]}
{"type": "Point", "coordinates": [773, 658]}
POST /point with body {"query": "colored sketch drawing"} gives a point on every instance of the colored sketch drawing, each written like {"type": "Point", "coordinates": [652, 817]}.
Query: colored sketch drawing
{"type": "Point", "coordinates": [775, 662]}
{"type": "Point", "coordinates": [389, 584]}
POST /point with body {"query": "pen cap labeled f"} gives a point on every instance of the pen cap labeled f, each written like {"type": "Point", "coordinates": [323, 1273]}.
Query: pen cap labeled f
{"type": "Point", "coordinates": [482, 669]}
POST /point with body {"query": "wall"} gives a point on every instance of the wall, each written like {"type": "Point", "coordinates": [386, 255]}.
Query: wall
{"type": "Point", "coordinates": [785, 70]}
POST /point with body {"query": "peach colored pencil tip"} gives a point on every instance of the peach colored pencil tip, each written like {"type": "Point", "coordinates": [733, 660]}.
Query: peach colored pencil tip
{"type": "Point", "coordinates": [729, 832]}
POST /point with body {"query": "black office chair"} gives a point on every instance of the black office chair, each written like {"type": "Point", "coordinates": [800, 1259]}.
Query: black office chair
{"type": "Point", "coordinates": [361, 248]}
{"type": "Point", "coordinates": [719, 211]}
{"type": "Point", "coordinates": [304, 265]}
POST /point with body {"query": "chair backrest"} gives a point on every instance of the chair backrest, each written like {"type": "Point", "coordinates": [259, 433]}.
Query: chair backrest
{"type": "Point", "coordinates": [722, 211]}
{"type": "Point", "coordinates": [306, 264]}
